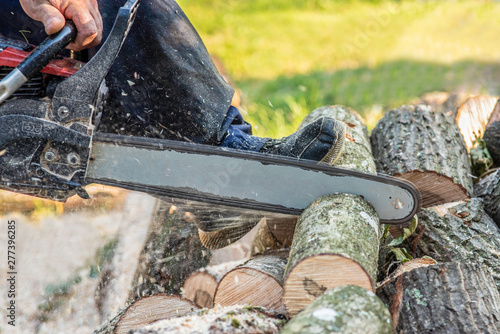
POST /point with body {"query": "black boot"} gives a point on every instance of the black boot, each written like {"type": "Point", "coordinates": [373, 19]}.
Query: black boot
{"type": "Point", "coordinates": [321, 140]}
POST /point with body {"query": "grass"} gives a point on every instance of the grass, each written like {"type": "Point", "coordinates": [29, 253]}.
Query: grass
{"type": "Point", "coordinates": [291, 56]}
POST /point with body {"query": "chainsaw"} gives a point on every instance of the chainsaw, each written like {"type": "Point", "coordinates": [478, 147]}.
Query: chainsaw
{"type": "Point", "coordinates": [49, 147]}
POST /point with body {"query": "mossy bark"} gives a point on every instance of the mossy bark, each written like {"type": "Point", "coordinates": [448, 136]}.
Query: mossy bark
{"type": "Point", "coordinates": [172, 251]}
{"type": "Point", "coordinates": [425, 147]}
{"type": "Point", "coordinates": [443, 298]}
{"type": "Point", "coordinates": [488, 189]}
{"type": "Point", "coordinates": [337, 237]}
{"type": "Point", "coordinates": [344, 309]}
{"type": "Point", "coordinates": [340, 224]}
{"type": "Point", "coordinates": [459, 232]}
{"type": "Point", "coordinates": [357, 152]}
{"type": "Point", "coordinates": [219, 320]}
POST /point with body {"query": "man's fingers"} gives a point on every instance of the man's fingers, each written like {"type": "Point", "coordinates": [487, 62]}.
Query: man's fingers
{"type": "Point", "coordinates": [52, 19]}
{"type": "Point", "coordinates": [88, 32]}
{"type": "Point", "coordinates": [53, 14]}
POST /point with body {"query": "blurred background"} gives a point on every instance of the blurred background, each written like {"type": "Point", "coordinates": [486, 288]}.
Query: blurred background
{"type": "Point", "coordinates": [285, 58]}
{"type": "Point", "coordinates": [288, 57]}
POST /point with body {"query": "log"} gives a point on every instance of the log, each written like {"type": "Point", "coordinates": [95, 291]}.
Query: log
{"type": "Point", "coordinates": [257, 282]}
{"type": "Point", "coordinates": [336, 243]}
{"type": "Point", "coordinates": [274, 232]}
{"type": "Point", "coordinates": [264, 239]}
{"type": "Point", "coordinates": [219, 320]}
{"type": "Point", "coordinates": [491, 135]}
{"type": "Point", "coordinates": [458, 232]}
{"type": "Point", "coordinates": [344, 309]}
{"type": "Point", "coordinates": [337, 237]}
{"type": "Point", "coordinates": [281, 227]}
{"type": "Point", "coordinates": [172, 252]}
{"type": "Point", "coordinates": [218, 225]}
{"type": "Point", "coordinates": [425, 148]}
{"type": "Point", "coordinates": [472, 117]}
{"type": "Point", "coordinates": [200, 286]}
{"type": "Point", "coordinates": [444, 102]}
{"type": "Point", "coordinates": [488, 189]}
{"type": "Point", "coordinates": [147, 310]}
{"type": "Point", "coordinates": [444, 298]}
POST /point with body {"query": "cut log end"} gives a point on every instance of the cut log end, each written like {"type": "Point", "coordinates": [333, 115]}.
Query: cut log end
{"type": "Point", "coordinates": [305, 283]}
{"type": "Point", "coordinates": [150, 309]}
{"type": "Point", "coordinates": [249, 286]}
{"type": "Point", "coordinates": [435, 188]}
{"type": "Point", "coordinates": [201, 289]}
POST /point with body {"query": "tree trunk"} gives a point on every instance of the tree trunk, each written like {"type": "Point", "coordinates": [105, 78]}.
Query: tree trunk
{"type": "Point", "coordinates": [171, 253]}
{"type": "Point", "coordinates": [257, 282]}
{"type": "Point", "coordinates": [335, 243]}
{"type": "Point", "coordinates": [146, 311]}
{"type": "Point", "coordinates": [458, 232]}
{"type": "Point", "coordinates": [492, 135]}
{"type": "Point", "coordinates": [426, 148]}
{"type": "Point", "coordinates": [201, 285]}
{"type": "Point", "coordinates": [220, 320]}
{"type": "Point", "coordinates": [472, 117]}
{"type": "Point", "coordinates": [337, 237]}
{"type": "Point", "coordinates": [344, 309]}
{"type": "Point", "coordinates": [444, 298]}
{"type": "Point", "coordinates": [489, 190]}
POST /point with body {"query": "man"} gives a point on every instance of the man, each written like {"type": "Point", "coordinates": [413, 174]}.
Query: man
{"type": "Point", "coordinates": [163, 83]}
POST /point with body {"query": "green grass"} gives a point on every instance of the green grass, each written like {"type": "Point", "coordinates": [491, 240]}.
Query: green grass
{"type": "Point", "coordinates": [291, 56]}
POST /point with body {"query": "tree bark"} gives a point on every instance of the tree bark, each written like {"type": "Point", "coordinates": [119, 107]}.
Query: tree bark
{"type": "Point", "coordinates": [220, 320]}
{"type": "Point", "coordinates": [335, 243]}
{"type": "Point", "coordinates": [492, 134]}
{"type": "Point", "coordinates": [146, 311]}
{"type": "Point", "coordinates": [201, 285]}
{"type": "Point", "coordinates": [344, 309]}
{"type": "Point", "coordinates": [458, 232]}
{"type": "Point", "coordinates": [171, 253]}
{"type": "Point", "coordinates": [426, 148]}
{"type": "Point", "coordinates": [257, 282]}
{"type": "Point", "coordinates": [444, 298]}
{"type": "Point", "coordinates": [489, 190]}
{"type": "Point", "coordinates": [472, 117]}
{"type": "Point", "coordinates": [337, 237]}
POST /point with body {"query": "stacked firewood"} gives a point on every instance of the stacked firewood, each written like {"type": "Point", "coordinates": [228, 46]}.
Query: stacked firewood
{"type": "Point", "coordinates": [318, 273]}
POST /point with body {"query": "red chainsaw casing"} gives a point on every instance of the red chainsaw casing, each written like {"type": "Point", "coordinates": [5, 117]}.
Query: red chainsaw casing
{"type": "Point", "coordinates": [63, 67]}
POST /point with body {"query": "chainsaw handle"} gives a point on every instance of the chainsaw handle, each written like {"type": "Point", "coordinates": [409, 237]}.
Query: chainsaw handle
{"type": "Point", "coordinates": [50, 47]}
{"type": "Point", "coordinates": [36, 60]}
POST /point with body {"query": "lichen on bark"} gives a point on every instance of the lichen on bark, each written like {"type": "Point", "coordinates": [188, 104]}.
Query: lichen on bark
{"type": "Point", "coordinates": [341, 224]}
{"type": "Point", "coordinates": [344, 309]}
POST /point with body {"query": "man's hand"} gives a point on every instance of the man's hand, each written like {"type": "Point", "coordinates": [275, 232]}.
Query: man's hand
{"type": "Point", "coordinates": [53, 14]}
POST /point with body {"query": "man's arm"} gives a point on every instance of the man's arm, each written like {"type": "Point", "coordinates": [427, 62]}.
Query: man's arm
{"type": "Point", "coordinates": [53, 14]}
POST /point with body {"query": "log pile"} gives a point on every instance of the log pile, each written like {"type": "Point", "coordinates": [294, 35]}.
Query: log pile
{"type": "Point", "coordinates": [323, 278]}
